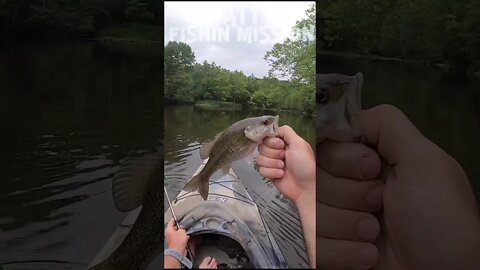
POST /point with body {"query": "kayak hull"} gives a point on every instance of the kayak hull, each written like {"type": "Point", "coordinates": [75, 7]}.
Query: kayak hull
{"type": "Point", "coordinates": [229, 211]}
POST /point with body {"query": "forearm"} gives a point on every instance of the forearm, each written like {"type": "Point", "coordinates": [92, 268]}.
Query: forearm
{"type": "Point", "coordinates": [306, 209]}
{"type": "Point", "coordinates": [170, 262]}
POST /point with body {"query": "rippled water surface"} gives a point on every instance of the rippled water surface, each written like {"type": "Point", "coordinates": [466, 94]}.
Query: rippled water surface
{"type": "Point", "coordinates": [186, 128]}
{"type": "Point", "coordinates": [70, 114]}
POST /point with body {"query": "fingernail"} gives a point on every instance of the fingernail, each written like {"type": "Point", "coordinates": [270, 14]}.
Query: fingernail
{"type": "Point", "coordinates": [368, 229]}
{"type": "Point", "coordinates": [375, 197]}
{"type": "Point", "coordinates": [368, 255]}
{"type": "Point", "coordinates": [280, 164]}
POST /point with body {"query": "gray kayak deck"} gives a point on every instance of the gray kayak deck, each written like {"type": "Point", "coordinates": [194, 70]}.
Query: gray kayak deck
{"type": "Point", "coordinates": [226, 191]}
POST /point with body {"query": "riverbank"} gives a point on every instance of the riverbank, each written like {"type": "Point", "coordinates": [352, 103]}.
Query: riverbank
{"type": "Point", "coordinates": [132, 33]}
{"type": "Point", "coordinates": [443, 65]}
{"type": "Point", "coordinates": [217, 105]}
{"type": "Point", "coordinates": [230, 106]}
{"type": "Point", "coordinates": [384, 58]}
{"type": "Point", "coordinates": [120, 33]}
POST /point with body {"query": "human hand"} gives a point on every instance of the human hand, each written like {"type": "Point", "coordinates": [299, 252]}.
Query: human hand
{"type": "Point", "coordinates": [429, 218]}
{"type": "Point", "coordinates": [176, 238]}
{"type": "Point", "coordinates": [289, 161]}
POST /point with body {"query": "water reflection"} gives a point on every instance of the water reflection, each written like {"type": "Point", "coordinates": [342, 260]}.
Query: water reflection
{"type": "Point", "coordinates": [71, 112]}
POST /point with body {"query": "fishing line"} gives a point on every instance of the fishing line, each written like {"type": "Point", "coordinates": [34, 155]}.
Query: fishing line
{"type": "Point", "coordinates": [176, 222]}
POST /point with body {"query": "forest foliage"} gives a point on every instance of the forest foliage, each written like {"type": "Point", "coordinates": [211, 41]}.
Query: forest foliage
{"type": "Point", "coordinates": [75, 17]}
{"type": "Point", "coordinates": [289, 85]}
{"type": "Point", "coordinates": [445, 31]}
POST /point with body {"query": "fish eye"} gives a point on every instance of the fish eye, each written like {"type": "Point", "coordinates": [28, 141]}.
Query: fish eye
{"type": "Point", "coordinates": [265, 122]}
{"type": "Point", "coordinates": [322, 95]}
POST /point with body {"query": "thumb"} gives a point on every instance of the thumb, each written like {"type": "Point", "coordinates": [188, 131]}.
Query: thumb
{"type": "Point", "coordinates": [170, 223]}
{"type": "Point", "coordinates": [389, 131]}
{"type": "Point", "coordinates": [287, 134]}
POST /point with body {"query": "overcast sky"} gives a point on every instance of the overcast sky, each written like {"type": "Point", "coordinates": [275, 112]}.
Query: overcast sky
{"type": "Point", "coordinates": [234, 35]}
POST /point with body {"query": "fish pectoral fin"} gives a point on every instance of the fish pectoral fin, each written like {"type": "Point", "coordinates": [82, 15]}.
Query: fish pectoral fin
{"type": "Point", "coordinates": [226, 168]}
{"type": "Point", "coordinates": [131, 180]}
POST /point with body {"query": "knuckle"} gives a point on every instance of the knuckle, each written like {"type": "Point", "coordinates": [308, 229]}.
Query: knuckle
{"type": "Point", "coordinates": [262, 172]}
{"type": "Point", "coordinates": [261, 160]}
{"type": "Point", "coordinates": [389, 109]}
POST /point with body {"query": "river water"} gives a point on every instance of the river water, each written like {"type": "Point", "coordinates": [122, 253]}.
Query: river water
{"type": "Point", "coordinates": [70, 113]}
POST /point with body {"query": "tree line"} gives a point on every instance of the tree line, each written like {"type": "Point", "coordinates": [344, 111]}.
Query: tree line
{"type": "Point", "coordinates": [446, 31]}
{"type": "Point", "coordinates": [290, 84]}
{"type": "Point", "coordinates": [75, 17]}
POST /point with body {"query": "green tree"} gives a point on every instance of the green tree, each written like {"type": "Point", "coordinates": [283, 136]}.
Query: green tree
{"type": "Point", "coordinates": [295, 58]}
{"type": "Point", "coordinates": [178, 63]}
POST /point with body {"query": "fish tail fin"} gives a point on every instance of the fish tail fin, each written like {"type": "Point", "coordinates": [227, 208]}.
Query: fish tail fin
{"type": "Point", "coordinates": [105, 265]}
{"type": "Point", "coordinates": [198, 183]}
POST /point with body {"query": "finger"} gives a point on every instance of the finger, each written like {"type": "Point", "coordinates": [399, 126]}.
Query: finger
{"type": "Point", "coordinates": [267, 162]}
{"type": "Point", "coordinates": [391, 133]}
{"type": "Point", "coordinates": [274, 143]}
{"type": "Point", "coordinates": [344, 254]}
{"type": "Point", "coordinates": [271, 153]}
{"type": "Point", "coordinates": [344, 224]}
{"type": "Point", "coordinates": [271, 173]}
{"type": "Point", "coordinates": [349, 194]}
{"type": "Point", "coordinates": [170, 223]}
{"type": "Point", "coordinates": [287, 134]}
{"type": "Point", "coordinates": [349, 160]}
{"type": "Point", "coordinates": [207, 259]}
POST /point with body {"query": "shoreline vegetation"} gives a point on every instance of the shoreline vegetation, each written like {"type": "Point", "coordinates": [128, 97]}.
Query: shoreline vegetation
{"type": "Point", "coordinates": [289, 85]}
{"type": "Point", "coordinates": [444, 34]}
{"type": "Point", "coordinates": [214, 105]}
{"type": "Point", "coordinates": [104, 20]}
{"type": "Point", "coordinates": [443, 65]}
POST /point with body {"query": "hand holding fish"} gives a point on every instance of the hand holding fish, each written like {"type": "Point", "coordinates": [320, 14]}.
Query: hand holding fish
{"type": "Point", "coordinates": [289, 161]}
{"type": "Point", "coordinates": [429, 218]}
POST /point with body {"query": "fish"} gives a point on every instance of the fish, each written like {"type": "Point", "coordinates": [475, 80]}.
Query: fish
{"type": "Point", "coordinates": [234, 143]}
{"type": "Point", "coordinates": [138, 182]}
{"type": "Point", "coordinates": [338, 106]}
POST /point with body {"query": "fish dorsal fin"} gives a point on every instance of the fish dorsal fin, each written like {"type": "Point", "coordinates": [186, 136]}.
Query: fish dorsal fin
{"type": "Point", "coordinates": [131, 180]}
{"type": "Point", "coordinates": [206, 147]}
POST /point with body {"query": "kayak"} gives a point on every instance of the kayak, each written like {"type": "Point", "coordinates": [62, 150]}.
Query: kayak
{"type": "Point", "coordinates": [117, 238]}
{"type": "Point", "coordinates": [227, 226]}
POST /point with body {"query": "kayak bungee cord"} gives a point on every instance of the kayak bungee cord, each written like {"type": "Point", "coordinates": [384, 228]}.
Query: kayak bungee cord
{"type": "Point", "coordinates": [176, 221]}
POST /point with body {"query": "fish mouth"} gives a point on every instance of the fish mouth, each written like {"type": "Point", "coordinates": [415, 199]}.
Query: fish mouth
{"type": "Point", "coordinates": [275, 125]}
